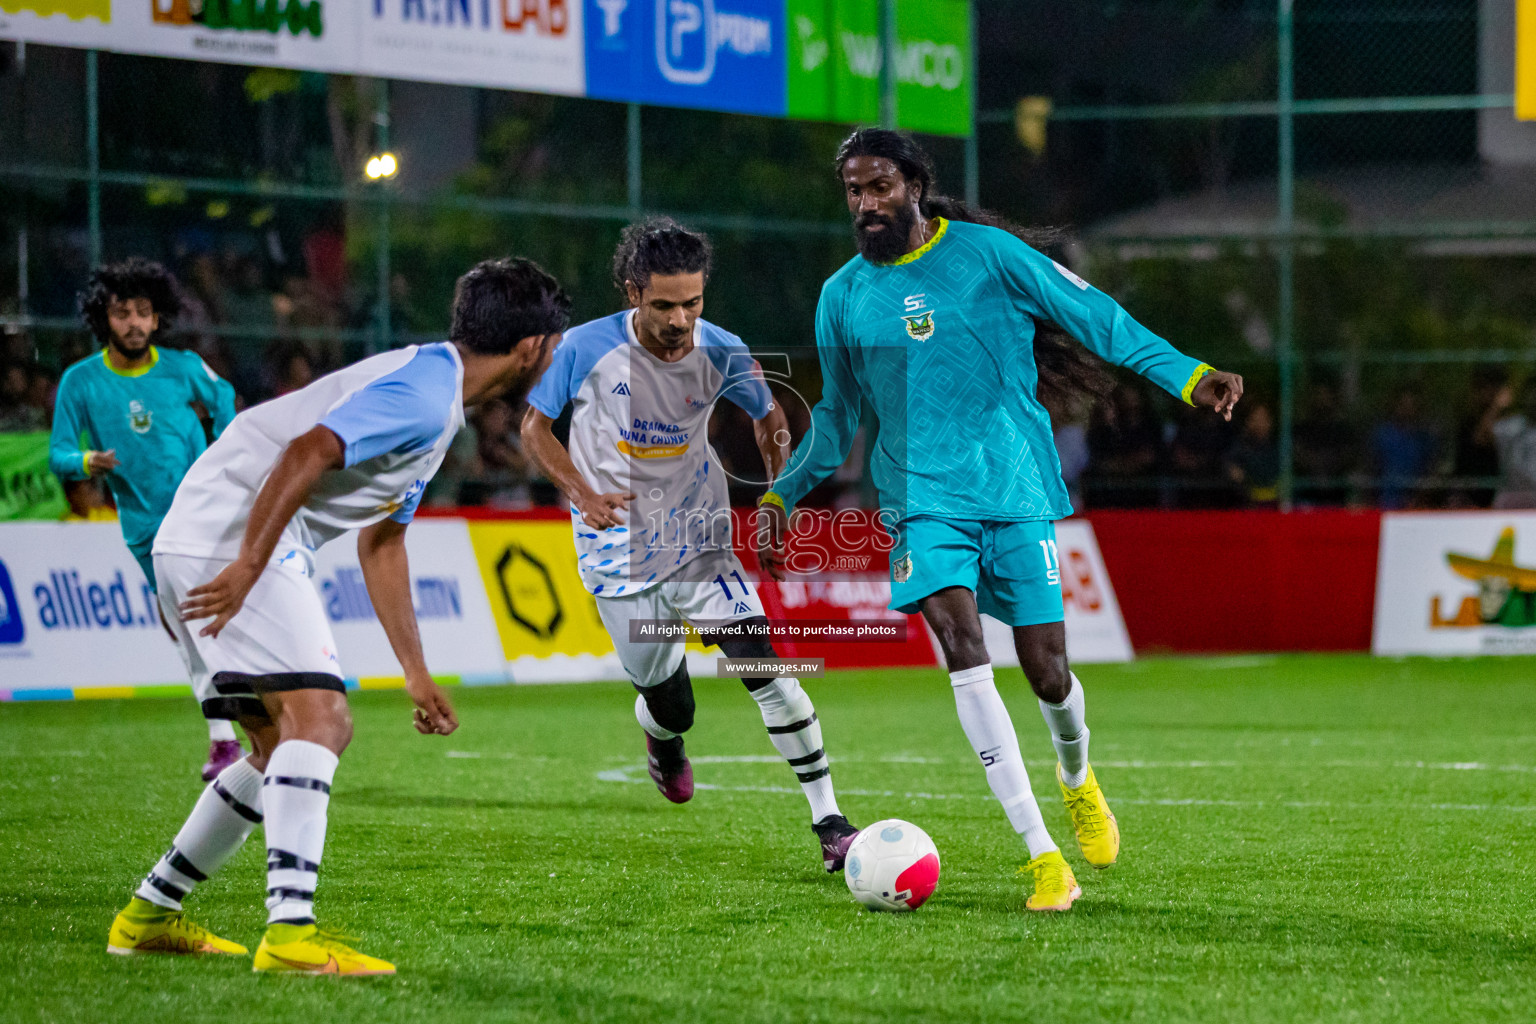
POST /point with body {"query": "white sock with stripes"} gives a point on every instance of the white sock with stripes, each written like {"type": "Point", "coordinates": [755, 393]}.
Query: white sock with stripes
{"type": "Point", "coordinates": [792, 726]}
{"type": "Point", "coordinates": [223, 817]}
{"type": "Point", "coordinates": [985, 720]}
{"type": "Point", "coordinates": [220, 729]}
{"type": "Point", "coordinates": [1069, 734]}
{"type": "Point", "coordinates": [297, 795]}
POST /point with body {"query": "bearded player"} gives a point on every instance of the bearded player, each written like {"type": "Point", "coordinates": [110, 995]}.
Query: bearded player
{"type": "Point", "coordinates": [952, 331]}
{"type": "Point", "coordinates": [234, 560]}
{"type": "Point", "coordinates": [650, 507]}
{"type": "Point", "coordinates": [140, 409]}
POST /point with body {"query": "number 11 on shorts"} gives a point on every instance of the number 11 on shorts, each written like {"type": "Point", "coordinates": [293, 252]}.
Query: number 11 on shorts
{"type": "Point", "coordinates": [1052, 562]}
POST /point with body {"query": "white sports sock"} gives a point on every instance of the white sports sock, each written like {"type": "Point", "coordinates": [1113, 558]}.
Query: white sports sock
{"type": "Point", "coordinates": [1069, 734]}
{"type": "Point", "coordinates": [792, 726]}
{"type": "Point", "coordinates": [297, 794]}
{"type": "Point", "coordinates": [223, 817]}
{"type": "Point", "coordinates": [220, 729]}
{"type": "Point", "coordinates": [643, 716]}
{"type": "Point", "coordinates": [990, 730]}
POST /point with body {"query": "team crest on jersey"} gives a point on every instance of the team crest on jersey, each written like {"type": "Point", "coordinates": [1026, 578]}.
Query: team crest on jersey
{"type": "Point", "coordinates": [901, 569]}
{"type": "Point", "coordinates": [920, 326]}
{"type": "Point", "coordinates": [139, 417]}
{"type": "Point", "coordinates": [621, 388]}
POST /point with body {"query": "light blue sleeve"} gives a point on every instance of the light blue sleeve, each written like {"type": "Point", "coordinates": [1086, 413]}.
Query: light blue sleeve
{"type": "Point", "coordinates": [742, 382]}
{"type": "Point", "coordinates": [1093, 318]}
{"type": "Point", "coordinates": [404, 411]}
{"type": "Point", "coordinates": [558, 385]}
{"type": "Point", "coordinates": [834, 420]}
{"type": "Point", "coordinates": [216, 393]}
{"type": "Point", "coordinates": [65, 456]}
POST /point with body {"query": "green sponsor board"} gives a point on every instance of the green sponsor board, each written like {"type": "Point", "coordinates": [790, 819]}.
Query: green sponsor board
{"type": "Point", "coordinates": [28, 490]}
{"type": "Point", "coordinates": [834, 63]}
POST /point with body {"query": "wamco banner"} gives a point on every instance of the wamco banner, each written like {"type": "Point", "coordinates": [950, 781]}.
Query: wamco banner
{"type": "Point", "coordinates": [813, 59]}
{"type": "Point", "coordinates": [1456, 583]}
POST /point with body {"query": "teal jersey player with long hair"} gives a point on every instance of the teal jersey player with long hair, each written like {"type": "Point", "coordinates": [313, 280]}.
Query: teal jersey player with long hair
{"type": "Point", "coordinates": [952, 328]}
{"type": "Point", "coordinates": [133, 415]}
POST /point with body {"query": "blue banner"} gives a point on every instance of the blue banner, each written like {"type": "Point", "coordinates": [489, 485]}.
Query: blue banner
{"type": "Point", "coordinates": [710, 54]}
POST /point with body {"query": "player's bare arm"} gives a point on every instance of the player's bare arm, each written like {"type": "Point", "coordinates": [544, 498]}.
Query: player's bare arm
{"type": "Point", "coordinates": [386, 571]}
{"type": "Point", "coordinates": [772, 435]}
{"type": "Point", "coordinates": [599, 511]}
{"type": "Point", "coordinates": [286, 489]}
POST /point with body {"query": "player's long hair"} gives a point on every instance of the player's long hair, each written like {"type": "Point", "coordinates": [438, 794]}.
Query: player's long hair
{"type": "Point", "coordinates": [133, 278]}
{"type": "Point", "coordinates": [659, 245]}
{"type": "Point", "coordinates": [1070, 378]}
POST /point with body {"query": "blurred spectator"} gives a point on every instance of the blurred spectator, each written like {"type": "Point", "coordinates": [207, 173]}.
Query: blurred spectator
{"type": "Point", "coordinates": [1513, 431]}
{"type": "Point", "coordinates": [1326, 446]}
{"type": "Point", "coordinates": [1253, 463]}
{"type": "Point", "coordinates": [24, 394]}
{"type": "Point", "coordinates": [460, 469]}
{"type": "Point", "coordinates": [1124, 441]}
{"type": "Point", "coordinates": [505, 471]}
{"type": "Point", "coordinates": [1071, 437]}
{"type": "Point", "coordinates": [1477, 453]}
{"type": "Point", "coordinates": [1196, 451]}
{"type": "Point", "coordinates": [1402, 450]}
{"type": "Point", "coordinates": [291, 368]}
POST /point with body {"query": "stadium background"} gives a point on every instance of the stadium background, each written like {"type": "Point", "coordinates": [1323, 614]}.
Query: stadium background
{"type": "Point", "coordinates": [1332, 200]}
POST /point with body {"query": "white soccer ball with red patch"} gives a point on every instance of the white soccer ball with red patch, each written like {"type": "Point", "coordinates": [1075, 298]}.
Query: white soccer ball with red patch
{"type": "Point", "coordinates": [892, 865]}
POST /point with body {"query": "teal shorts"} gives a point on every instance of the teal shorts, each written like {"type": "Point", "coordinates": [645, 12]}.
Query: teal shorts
{"type": "Point", "coordinates": [1011, 566]}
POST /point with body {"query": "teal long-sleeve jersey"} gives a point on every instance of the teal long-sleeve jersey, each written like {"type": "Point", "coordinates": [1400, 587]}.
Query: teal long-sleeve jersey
{"type": "Point", "coordinates": [147, 416]}
{"type": "Point", "coordinates": [941, 345]}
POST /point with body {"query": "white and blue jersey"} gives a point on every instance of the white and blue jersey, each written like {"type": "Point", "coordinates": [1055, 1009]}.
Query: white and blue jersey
{"type": "Point", "coordinates": [396, 413]}
{"type": "Point", "coordinates": [641, 426]}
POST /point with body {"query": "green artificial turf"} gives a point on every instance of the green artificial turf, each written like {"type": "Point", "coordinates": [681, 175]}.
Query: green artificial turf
{"type": "Point", "coordinates": [1305, 838]}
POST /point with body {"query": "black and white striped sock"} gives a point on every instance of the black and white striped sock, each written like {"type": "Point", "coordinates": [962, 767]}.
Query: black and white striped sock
{"type": "Point", "coordinates": [297, 795]}
{"type": "Point", "coordinates": [792, 726]}
{"type": "Point", "coordinates": [219, 823]}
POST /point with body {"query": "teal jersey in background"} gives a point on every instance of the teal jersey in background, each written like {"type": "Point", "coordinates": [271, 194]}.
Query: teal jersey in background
{"type": "Point", "coordinates": [941, 345]}
{"type": "Point", "coordinates": [146, 415]}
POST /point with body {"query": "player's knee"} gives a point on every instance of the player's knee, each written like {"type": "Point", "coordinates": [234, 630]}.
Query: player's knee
{"type": "Point", "coordinates": [1048, 675]}
{"type": "Point", "coordinates": [962, 644]}
{"type": "Point", "coordinates": [754, 648]}
{"type": "Point", "coordinates": [671, 700]}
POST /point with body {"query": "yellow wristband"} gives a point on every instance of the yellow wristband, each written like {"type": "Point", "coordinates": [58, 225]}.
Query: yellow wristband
{"type": "Point", "coordinates": [769, 498]}
{"type": "Point", "coordinates": [1195, 378]}
{"type": "Point", "coordinates": [85, 463]}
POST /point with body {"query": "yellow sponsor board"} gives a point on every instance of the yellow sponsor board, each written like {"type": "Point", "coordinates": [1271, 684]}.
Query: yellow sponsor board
{"type": "Point", "coordinates": [76, 9]}
{"type": "Point", "coordinates": [541, 608]}
{"type": "Point", "coordinates": [1525, 60]}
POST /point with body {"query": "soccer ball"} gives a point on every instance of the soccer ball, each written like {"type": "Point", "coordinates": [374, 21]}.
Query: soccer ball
{"type": "Point", "coordinates": [892, 865]}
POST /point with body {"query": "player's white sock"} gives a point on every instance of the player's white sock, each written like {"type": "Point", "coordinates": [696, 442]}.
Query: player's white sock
{"type": "Point", "coordinates": [1069, 734]}
{"type": "Point", "coordinates": [643, 716]}
{"type": "Point", "coordinates": [297, 795]}
{"type": "Point", "coordinates": [220, 729]}
{"type": "Point", "coordinates": [987, 725]}
{"type": "Point", "coordinates": [223, 817]}
{"type": "Point", "coordinates": [792, 726]}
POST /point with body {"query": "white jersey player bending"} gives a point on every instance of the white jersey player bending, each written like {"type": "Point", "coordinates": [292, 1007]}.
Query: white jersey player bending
{"type": "Point", "coordinates": [234, 560]}
{"type": "Point", "coordinates": [650, 507]}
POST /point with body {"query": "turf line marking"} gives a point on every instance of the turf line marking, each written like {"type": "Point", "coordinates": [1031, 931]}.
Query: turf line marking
{"type": "Point", "coordinates": [627, 775]}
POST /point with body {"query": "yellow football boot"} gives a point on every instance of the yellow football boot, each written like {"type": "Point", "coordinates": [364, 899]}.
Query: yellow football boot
{"type": "Point", "coordinates": [305, 949]}
{"type": "Point", "coordinates": [1098, 834]}
{"type": "Point", "coordinates": [1055, 885]}
{"type": "Point", "coordinates": [143, 927]}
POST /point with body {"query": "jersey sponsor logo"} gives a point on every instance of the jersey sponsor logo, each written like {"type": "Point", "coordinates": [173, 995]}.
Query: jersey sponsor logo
{"type": "Point", "coordinates": [139, 418]}
{"type": "Point", "coordinates": [620, 388]}
{"type": "Point", "coordinates": [901, 568]}
{"type": "Point", "coordinates": [914, 303]}
{"type": "Point", "coordinates": [695, 403]}
{"type": "Point", "coordinates": [654, 451]}
{"type": "Point", "coordinates": [1064, 272]}
{"type": "Point", "coordinates": [920, 326]}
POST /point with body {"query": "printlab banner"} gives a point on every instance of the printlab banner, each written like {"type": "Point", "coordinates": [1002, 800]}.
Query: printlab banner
{"type": "Point", "coordinates": [815, 59]}
{"type": "Point", "coordinates": [1456, 583]}
{"type": "Point", "coordinates": [76, 612]}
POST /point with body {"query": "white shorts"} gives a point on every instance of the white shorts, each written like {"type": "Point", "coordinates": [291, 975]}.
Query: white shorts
{"type": "Point", "coordinates": [729, 596]}
{"type": "Point", "coordinates": [279, 640]}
